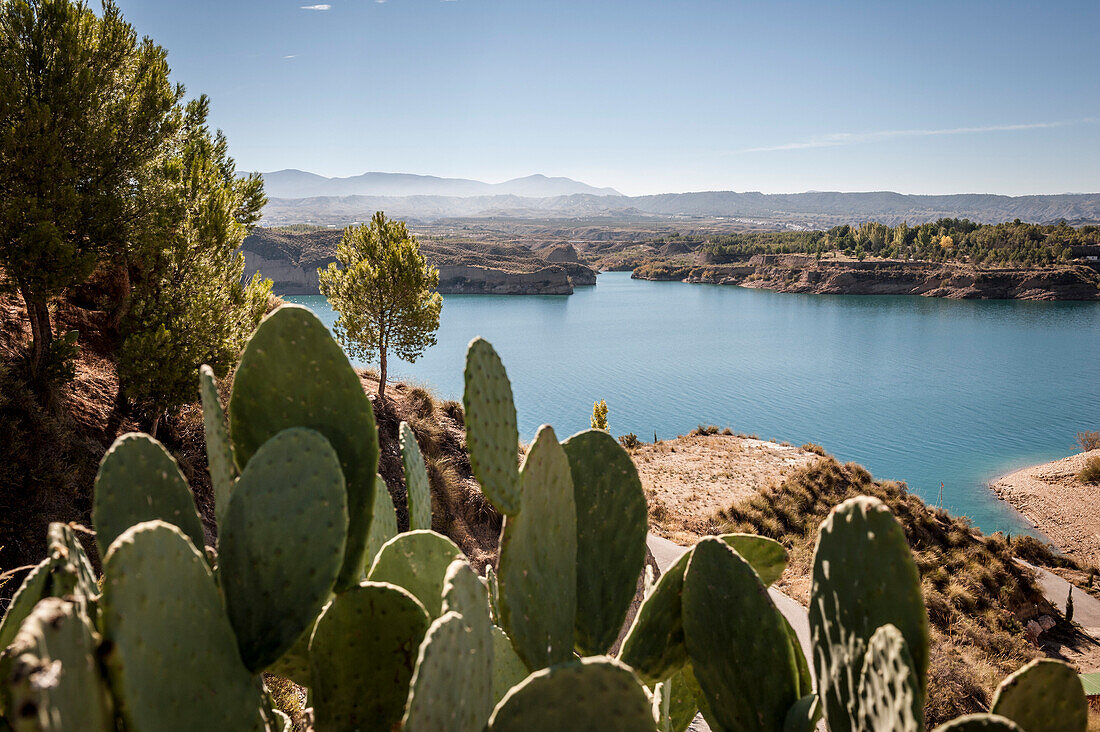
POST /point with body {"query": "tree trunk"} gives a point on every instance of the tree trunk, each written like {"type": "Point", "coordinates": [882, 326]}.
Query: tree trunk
{"type": "Point", "coordinates": [38, 312]}
{"type": "Point", "coordinates": [382, 374]}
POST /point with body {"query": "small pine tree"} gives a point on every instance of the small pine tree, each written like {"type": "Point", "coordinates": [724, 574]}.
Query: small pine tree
{"type": "Point", "coordinates": [599, 415]}
{"type": "Point", "coordinates": [1069, 605]}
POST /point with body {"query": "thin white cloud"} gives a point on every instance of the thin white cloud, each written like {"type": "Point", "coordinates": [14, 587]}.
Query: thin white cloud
{"type": "Point", "coordinates": [839, 139]}
{"type": "Point", "coordinates": [291, 56]}
{"type": "Point", "coordinates": [316, 7]}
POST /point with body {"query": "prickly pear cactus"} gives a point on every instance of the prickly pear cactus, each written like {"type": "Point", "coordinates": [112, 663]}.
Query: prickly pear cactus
{"type": "Point", "coordinates": [747, 671]}
{"type": "Point", "coordinates": [611, 531]}
{"type": "Point", "coordinates": [173, 660]}
{"type": "Point", "coordinates": [293, 374]}
{"type": "Point", "coordinates": [492, 436]}
{"type": "Point", "coordinates": [1043, 696]}
{"type": "Point", "coordinates": [67, 553]}
{"type": "Point", "coordinates": [584, 695]}
{"type": "Point", "coordinates": [538, 558]}
{"type": "Point", "coordinates": [803, 715]}
{"type": "Point", "coordinates": [383, 523]}
{"type": "Point", "coordinates": [282, 543]}
{"type": "Point", "coordinates": [35, 586]}
{"type": "Point", "coordinates": [55, 684]}
{"type": "Point", "coordinates": [416, 481]}
{"type": "Point", "coordinates": [980, 723]}
{"type": "Point", "coordinates": [464, 593]}
{"type": "Point", "coordinates": [888, 697]}
{"type": "Point", "coordinates": [805, 676]}
{"type": "Point", "coordinates": [452, 687]}
{"type": "Point", "coordinates": [139, 480]}
{"type": "Point", "coordinates": [417, 561]}
{"type": "Point", "coordinates": [654, 645]}
{"type": "Point", "coordinates": [508, 668]}
{"type": "Point", "coordinates": [766, 556]}
{"type": "Point", "coordinates": [362, 657]}
{"type": "Point", "coordinates": [219, 451]}
{"type": "Point", "coordinates": [493, 589]}
{"type": "Point", "coordinates": [683, 694]}
{"type": "Point", "coordinates": [864, 577]}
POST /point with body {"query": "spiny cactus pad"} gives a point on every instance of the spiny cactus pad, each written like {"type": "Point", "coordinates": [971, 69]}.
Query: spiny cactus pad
{"type": "Point", "coordinates": [684, 695]}
{"type": "Point", "coordinates": [452, 687]}
{"type": "Point", "coordinates": [492, 436]}
{"type": "Point", "coordinates": [68, 555]}
{"type": "Point", "coordinates": [864, 577]}
{"type": "Point", "coordinates": [282, 543]}
{"type": "Point", "coordinates": [417, 561]}
{"type": "Point", "coordinates": [805, 676]}
{"type": "Point", "coordinates": [465, 594]}
{"type": "Point", "coordinates": [173, 660]}
{"type": "Point", "coordinates": [654, 645]}
{"type": "Point", "coordinates": [746, 670]}
{"type": "Point", "coordinates": [766, 556]}
{"type": "Point", "coordinates": [383, 523]}
{"type": "Point", "coordinates": [1043, 696]}
{"type": "Point", "coordinates": [980, 723]}
{"type": "Point", "coordinates": [585, 695]}
{"type": "Point", "coordinates": [362, 657]}
{"type": "Point", "coordinates": [538, 558]}
{"type": "Point", "coordinates": [220, 462]}
{"type": "Point", "coordinates": [139, 481]}
{"type": "Point", "coordinates": [416, 481]}
{"type": "Point", "coordinates": [55, 684]}
{"type": "Point", "coordinates": [35, 586]}
{"type": "Point", "coordinates": [887, 695]}
{"type": "Point", "coordinates": [508, 667]}
{"type": "Point", "coordinates": [293, 374]}
{"type": "Point", "coordinates": [803, 714]}
{"type": "Point", "coordinates": [611, 534]}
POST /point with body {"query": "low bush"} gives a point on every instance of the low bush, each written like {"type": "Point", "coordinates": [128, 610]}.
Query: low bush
{"type": "Point", "coordinates": [815, 449]}
{"type": "Point", "coordinates": [1091, 472]}
{"type": "Point", "coordinates": [1088, 441]}
{"type": "Point", "coordinates": [630, 441]}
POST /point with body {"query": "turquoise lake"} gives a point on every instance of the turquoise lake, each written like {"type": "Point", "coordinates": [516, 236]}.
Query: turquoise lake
{"type": "Point", "coordinates": [916, 389]}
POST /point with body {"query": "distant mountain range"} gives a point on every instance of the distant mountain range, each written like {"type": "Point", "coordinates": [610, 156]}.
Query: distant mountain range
{"type": "Point", "coordinates": [300, 184]}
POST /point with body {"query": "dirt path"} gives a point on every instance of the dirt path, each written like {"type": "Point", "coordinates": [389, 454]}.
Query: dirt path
{"type": "Point", "coordinates": [1062, 507]}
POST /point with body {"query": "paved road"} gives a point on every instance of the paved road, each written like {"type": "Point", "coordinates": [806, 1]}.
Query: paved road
{"type": "Point", "coordinates": [1086, 608]}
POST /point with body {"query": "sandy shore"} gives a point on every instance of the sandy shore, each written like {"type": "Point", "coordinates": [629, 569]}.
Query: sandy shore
{"type": "Point", "coordinates": [1062, 507]}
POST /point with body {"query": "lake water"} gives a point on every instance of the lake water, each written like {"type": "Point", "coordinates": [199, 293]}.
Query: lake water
{"type": "Point", "coordinates": [916, 389]}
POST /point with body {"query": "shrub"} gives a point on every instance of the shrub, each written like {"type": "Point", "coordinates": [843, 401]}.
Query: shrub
{"type": "Point", "coordinates": [815, 449]}
{"type": "Point", "coordinates": [454, 410]}
{"type": "Point", "coordinates": [704, 430]}
{"type": "Point", "coordinates": [599, 415]}
{"type": "Point", "coordinates": [1088, 441]}
{"type": "Point", "coordinates": [1091, 472]}
{"type": "Point", "coordinates": [630, 441]}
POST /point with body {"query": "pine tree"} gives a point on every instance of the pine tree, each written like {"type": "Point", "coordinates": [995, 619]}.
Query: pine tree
{"type": "Point", "coordinates": [599, 415]}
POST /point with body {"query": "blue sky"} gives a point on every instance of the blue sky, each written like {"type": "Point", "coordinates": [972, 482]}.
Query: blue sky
{"type": "Point", "coordinates": [648, 97]}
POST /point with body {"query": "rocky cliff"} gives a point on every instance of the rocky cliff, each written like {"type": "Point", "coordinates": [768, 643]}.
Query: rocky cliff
{"type": "Point", "coordinates": [799, 273]}
{"type": "Point", "coordinates": [291, 259]}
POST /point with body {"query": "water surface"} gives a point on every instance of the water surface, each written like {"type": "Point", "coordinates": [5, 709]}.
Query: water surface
{"type": "Point", "coordinates": [916, 389]}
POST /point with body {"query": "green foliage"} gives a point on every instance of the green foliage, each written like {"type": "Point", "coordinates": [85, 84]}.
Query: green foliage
{"type": "Point", "coordinates": [599, 415]}
{"type": "Point", "coordinates": [85, 109]}
{"type": "Point", "coordinates": [188, 305]}
{"type": "Point", "coordinates": [176, 648]}
{"type": "Point", "coordinates": [1091, 472]}
{"type": "Point", "coordinates": [383, 290]}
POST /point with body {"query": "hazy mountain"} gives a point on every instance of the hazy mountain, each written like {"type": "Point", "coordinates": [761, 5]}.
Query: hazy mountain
{"type": "Point", "coordinates": [301, 184]}
{"type": "Point", "coordinates": [817, 209]}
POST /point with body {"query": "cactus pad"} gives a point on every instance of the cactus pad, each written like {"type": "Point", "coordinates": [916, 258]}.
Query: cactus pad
{"type": "Point", "coordinates": [68, 555]}
{"type": "Point", "coordinates": [611, 533]}
{"type": "Point", "coordinates": [654, 645]}
{"type": "Point", "coordinates": [747, 671]}
{"type": "Point", "coordinates": [803, 714]}
{"type": "Point", "coordinates": [492, 436]}
{"type": "Point", "coordinates": [293, 374]}
{"type": "Point", "coordinates": [362, 657]}
{"type": "Point", "coordinates": [452, 687]}
{"type": "Point", "coordinates": [35, 586]}
{"type": "Point", "coordinates": [173, 660]}
{"type": "Point", "coordinates": [766, 556]}
{"type": "Point", "coordinates": [417, 488]}
{"type": "Point", "coordinates": [464, 593]}
{"type": "Point", "coordinates": [684, 695]}
{"type": "Point", "coordinates": [417, 561]}
{"type": "Point", "coordinates": [139, 480]}
{"type": "Point", "coordinates": [383, 522]}
{"type": "Point", "coordinates": [1043, 696]}
{"type": "Point", "coordinates": [980, 723]}
{"type": "Point", "coordinates": [864, 577]}
{"type": "Point", "coordinates": [282, 543]}
{"type": "Point", "coordinates": [805, 676]}
{"type": "Point", "coordinates": [220, 462]}
{"type": "Point", "coordinates": [538, 558]}
{"type": "Point", "coordinates": [54, 674]}
{"type": "Point", "coordinates": [586, 695]}
{"type": "Point", "coordinates": [887, 694]}
{"type": "Point", "coordinates": [508, 668]}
